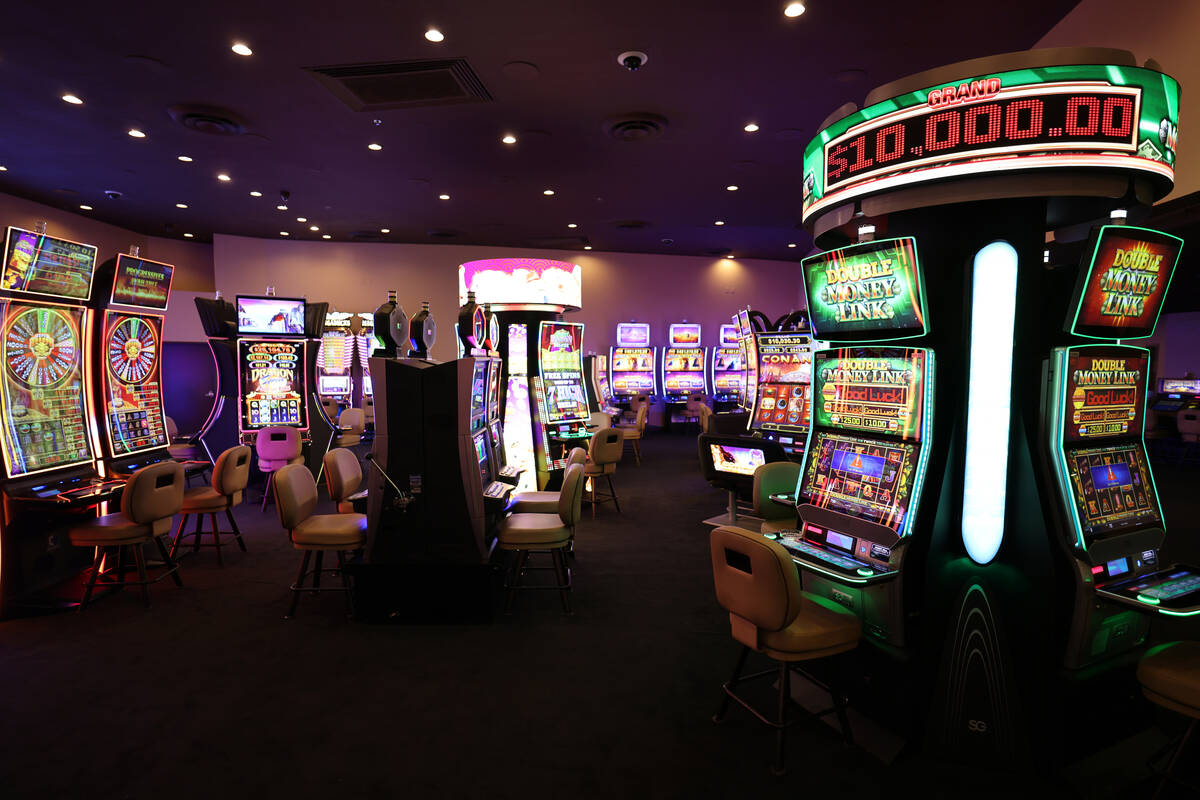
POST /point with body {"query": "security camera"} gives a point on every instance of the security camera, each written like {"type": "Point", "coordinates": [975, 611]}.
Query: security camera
{"type": "Point", "coordinates": [633, 60]}
{"type": "Point", "coordinates": [112, 194]}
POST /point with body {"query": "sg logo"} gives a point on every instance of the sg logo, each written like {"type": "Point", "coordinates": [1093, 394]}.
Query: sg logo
{"type": "Point", "coordinates": [977, 726]}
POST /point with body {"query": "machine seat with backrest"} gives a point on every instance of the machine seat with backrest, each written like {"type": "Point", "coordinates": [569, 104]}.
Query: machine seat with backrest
{"type": "Point", "coordinates": [778, 477]}
{"type": "Point", "coordinates": [545, 502]}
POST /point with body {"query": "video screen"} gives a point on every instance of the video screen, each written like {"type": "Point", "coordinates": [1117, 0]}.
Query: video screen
{"type": "Point", "coordinates": [729, 335]}
{"type": "Point", "coordinates": [42, 264]}
{"type": "Point", "coordinates": [684, 334]}
{"type": "Point", "coordinates": [750, 343]}
{"type": "Point", "coordinates": [479, 384]}
{"type": "Point", "coordinates": [871, 290]}
{"type": "Point", "coordinates": [866, 478]}
{"type": "Point", "coordinates": [481, 455]}
{"type": "Point", "coordinates": [870, 389]}
{"type": "Point", "coordinates": [560, 363]}
{"type": "Point", "coordinates": [529, 282]}
{"type": "Point", "coordinates": [633, 334]}
{"type": "Point", "coordinates": [333, 385]}
{"type": "Point", "coordinates": [279, 316]}
{"type": "Point", "coordinates": [632, 371]}
{"type": "Point", "coordinates": [784, 400]}
{"type": "Point", "coordinates": [1105, 392]}
{"type": "Point", "coordinates": [683, 370]}
{"type": "Point", "coordinates": [1123, 281]}
{"type": "Point", "coordinates": [141, 282]}
{"type": "Point", "coordinates": [1179, 385]}
{"type": "Point", "coordinates": [1112, 489]}
{"type": "Point", "coordinates": [736, 460]}
{"type": "Point", "coordinates": [729, 374]}
{"type": "Point", "coordinates": [133, 413]}
{"type": "Point", "coordinates": [45, 423]}
{"type": "Point", "coordinates": [493, 400]}
{"type": "Point", "coordinates": [272, 384]}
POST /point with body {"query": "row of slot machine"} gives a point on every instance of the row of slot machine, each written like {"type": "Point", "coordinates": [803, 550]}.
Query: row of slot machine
{"type": "Point", "coordinates": [343, 371]}
{"type": "Point", "coordinates": [678, 371]}
{"type": "Point", "coordinates": [81, 397]}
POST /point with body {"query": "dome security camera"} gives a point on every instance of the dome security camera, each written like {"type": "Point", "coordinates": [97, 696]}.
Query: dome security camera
{"type": "Point", "coordinates": [633, 60]}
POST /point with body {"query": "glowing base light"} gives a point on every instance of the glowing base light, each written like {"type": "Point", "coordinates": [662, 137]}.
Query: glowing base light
{"type": "Point", "coordinates": [993, 312]}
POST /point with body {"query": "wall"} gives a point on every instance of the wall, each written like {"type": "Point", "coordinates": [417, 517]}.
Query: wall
{"type": "Point", "coordinates": [1176, 338]}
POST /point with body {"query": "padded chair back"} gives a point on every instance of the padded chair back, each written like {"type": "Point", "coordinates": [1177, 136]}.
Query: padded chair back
{"type": "Point", "coordinates": [1188, 423]}
{"type": "Point", "coordinates": [605, 447]}
{"type": "Point", "coordinates": [330, 406]}
{"type": "Point", "coordinates": [705, 419]}
{"type": "Point", "coordinates": [695, 402]}
{"type": "Point", "coordinates": [599, 419]}
{"type": "Point", "coordinates": [172, 430]}
{"type": "Point", "coordinates": [277, 443]}
{"type": "Point", "coordinates": [368, 407]}
{"type": "Point", "coordinates": [755, 580]}
{"type": "Point", "coordinates": [153, 493]}
{"type": "Point", "coordinates": [295, 495]}
{"type": "Point", "coordinates": [352, 418]}
{"type": "Point", "coordinates": [778, 477]}
{"type": "Point", "coordinates": [640, 422]}
{"type": "Point", "coordinates": [231, 473]}
{"type": "Point", "coordinates": [343, 474]}
{"type": "Point", "coordinates": [577, 456]}
{"type": "Point", "coordinates": [570, 498]}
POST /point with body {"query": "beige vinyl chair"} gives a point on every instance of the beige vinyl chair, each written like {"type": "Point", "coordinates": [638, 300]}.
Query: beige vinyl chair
{"type": "Point", "coordinates": [296, 499]}
{"type": "Point", "coordinates": [1170, 678]}
{"type": "Point", "coordinates": [778, 477]}
{"type": "Point", "coordinates": [545, 502]}
{"type": "Point", "coordinates": [598, 420]}
{"type": "Point", "coordinates": [553, 533]}
{"type": "Point", "coordinates": [230, 475]}
{"type": "Point", "coordinates": [152, 496]}
{"type": "Point", "coordinates": [633, 433]}
{"type": "Point", "coordinates": [277, 447]}
{"type": "Point", "coordinates": [330, 406]}
{"type": "Point", "coordinates": [343, 476]}
{"type": "Point", "coordinates": [604, 451]}
{"type": "Point", "coordinates": [693, 408]}
{"type": "Point", "coordinates": [181, 450]}
{"type": "Point", "coordinates": [759, 585]}
{"type": "Point", "coordinates": [705, 419]}
{"type": "Point", "coordinates": [352, 423]}
{"type": "Point", "coordinates": [635, 402]}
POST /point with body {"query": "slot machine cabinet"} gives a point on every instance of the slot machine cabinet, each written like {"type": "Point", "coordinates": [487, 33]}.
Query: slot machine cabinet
{"type": "Point", "coordinates": [561, 404]}
{"type": "Point", "coordinates": [783, 398]}
{"type": "Point", "coordinates": [364, 342]}
{"type": "Point", "coordinates": [631, 364]}
{"type": "Point", "coordinates": [683, 367]}
{"type": "Point", "coordinates": [335, 361]}
{"type": "Point", "coordinates": [727, 370]}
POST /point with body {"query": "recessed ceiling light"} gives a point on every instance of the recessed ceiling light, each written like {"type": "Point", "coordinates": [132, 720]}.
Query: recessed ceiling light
{"type": "Point", "coordinates": [374, 146]}
{"type": "Point", "coordinates": [509, 139]}
{"type": "Point", "coordinates": [301, 219]}
{"type": "Point", "coordinates": [242, 49]}
{"type": "Point", "coordinates": [181, 205]}
{"type": "Point", "coordinates": [313, 228]}
{"type": "Point", "coordinates": [284, 233]}
{"type": "Point", "coordinates": [548, 192]}
{"type": "Point", "coordinates": [187, 236]}
{"type": "Point", "coordinates": [281, 207]}
{"type": "Point", "coordinates": [750, 127]}
{"type": "Point", "coordinates": [719, 222]}
{"type": "Point", "coordinates": [731, 188]}
{"type": "Point", "coordinates": [572, 225]}
{"type": "Point", "coordinates": [443, 197]}
{"type": "Point", "coordinates": [85, 207]}
{"type": "Point", "coordinates": [793, 9]}
{"type": "Point", "coordinates": [74, 100]}
{"type": "Point", "coordinates": [587, 247]}
{"type": "Point", "coordinates": [326, 236]}
{"type": "Point", "coordinates": [434, 35]}
{"type": "Point", "coordinates": [223, 177]}
{"type": "Point", "coordinates": [136, 133]}
{"type": "Point", "coordinates": [385, 230]}
{"type": "Point", "coordinates": [185, 159]}
{"type": "Point", "coordinates": [791, 244]}
{"type": "Point", "coordinates": [256, 193]}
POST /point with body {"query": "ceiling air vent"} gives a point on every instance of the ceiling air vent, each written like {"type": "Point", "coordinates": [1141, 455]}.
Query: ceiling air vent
{"type": "Point", "coordinates": [212, 120]}
{"type": "Point", "coordinates": [631, 224]}
{"type": "Point", "coordinates": [403, 84]}
{"type": "Point", "coordinates": [635, 127]}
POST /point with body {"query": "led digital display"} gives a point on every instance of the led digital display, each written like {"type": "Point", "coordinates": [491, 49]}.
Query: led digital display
{"type": "Point", "coordinates": [750, 346]}
{"type": "Point", "coordinates": [1091, 116]}
{"type": "Point", "coordinates": [272, 384]}
{"type": "Point", "coordinates": [41, 264]}
{"type": "Point", "coordinates": [865, 478]}
{"type": "Point", "coordinates": [632, 371]}
{"type": "Point", "coordinates": [560, 364]}
{"type": "Point", "coordinates": [736, 460]}
{"type": "Point", "coordinates": [522, 282]}
{"type": "Point", "coordinates": [1105, 392]}
{"type": "Point", "coordinates": [271, 315]}
{"type": "Point", "coordinates": [684, 334]}
{"type": "Point", "coordinates": [683, 371]}
{"type": "Point", "coordinates": [333, 385]}
{"type": "Point", "coordinates": [784, 398]}
{"type": "Point", "coordinates": [1112, 489]}
{"type": "Point", "coordinates": [133, 413]}
{"type": "Point", "coordinates": [870, 291]}
{"type": "Point", "coordinates": [142, 282]}
{"type": "Point", "coordinates": [1179, 385]}
{"type": "Point", "coordinates": [633, 334]}
{"type": "Point", "coordinates": [874, 390]}
{"type": "Point", "coordinates": [1123, 282]}
{"type": "Point", "coordinates": [335, 355]}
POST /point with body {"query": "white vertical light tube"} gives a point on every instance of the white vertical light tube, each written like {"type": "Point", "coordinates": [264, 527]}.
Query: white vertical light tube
{"type": "Point", "coordinates": [989, 399]}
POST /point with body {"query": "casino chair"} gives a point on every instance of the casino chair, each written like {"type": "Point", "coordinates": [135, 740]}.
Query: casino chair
{"type": "Point", "coordinates": [693, 408]}
{"type": "Point", "coordinates": [330, 406]}
{"type": "Point", "coordinates": [759, 585]}
{"type": "Point", "coordinates": [276, 447]}
{"type": "Point", "coordinates": [152, 497]}
{"type": "Point", "coordinates": [545, 502]}
{"type": "Point", "coordinates": [633, 433]}
{"type": "Point", "coordinates": [295, 500]}
{"type": "Point", "coordinates": [705, 420]}
{"type": "Point", "coordinates": [778, 477]}
{"type": "Point", "coordinates": [1170, 678]}
{"type": "Point", "coordinates": [351, 424]}
{"type": "Point", "coordinates": [343, 476]}
{"type": "Point", "coordinates": [180, 448]}
{"type": "Point", "coordinates": [604, 451]}
{"type": "Point", "coordinates": [598, 420]}
{"type": "Point", "coordinates": [368, 409]}
{"type": "Point", "coordinates": [635, 403]}
{"type": "Point", "coordinates": [553, 533]}
{"type": "Point", "coordinates": [230, 474]}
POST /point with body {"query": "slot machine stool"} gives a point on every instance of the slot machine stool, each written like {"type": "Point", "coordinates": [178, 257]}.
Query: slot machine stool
{"type": "Point", "coordinates": [152, 497]}
{"type": "Point", "coordinates": [604, 451]}
{"type": "Point", "coordinates": [633, 433]}
{"type": "Point", "coordinates": [343, 476]}
{"type": "Point", "coordinates": [545, 502]}
{"type": "Point", "coordinates": [1170, 678]}
{"type": "Point", "coordinates": [759, 585]}
{"type": "Point", "coordinates": [230, 474]}
{"type": "Point", "coordinates": [778, 477]}
{"type": "Point", "coordinates": [277, 447]}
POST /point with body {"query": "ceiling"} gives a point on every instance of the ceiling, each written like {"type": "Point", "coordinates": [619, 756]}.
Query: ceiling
{"type": "Point", "coordinates": [713, 66]}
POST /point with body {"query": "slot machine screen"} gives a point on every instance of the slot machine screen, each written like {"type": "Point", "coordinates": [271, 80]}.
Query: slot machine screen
{"type": "Point", "coordinates": [1105, 392]}
{"type": "Point", "coordinates": [335, 356]}
{"type": "Point", "coordinates": [133, 413]}
{"type": "Point", "coordinates": [683, 370]}
{"type": "Point", "coordinates": [494, 382]}
{"type": "Point", "coordinates": [481, 456]}
{"type": "Point", "coordinates": [1179, 385]}
{"type": "Point", "coordinates": [875, 390]}
{"type": "Point", "coordinates": [141, 282]}
{"type": "Point", "coordinates": [632, 371]}
{"type": "Point", "coordinates": [40, 264]}
{"type": "Point", "coordinates": [560, 363]}
{"type": "Point", "coordinates": [1112, 489]}
{"type": "Point", "coordinates": [784, 382]}
{"type": "Point", "coordinates": [333, 385]}
{"type": "Point", "coordinates": [1123, 281]}
{"type": "Point", "coordinates": [479, 388]}
{"type": "Point", "coordinates": [729, 335]}
{"type": "Point", "coordinates": [736, 460]}
{"type": "Point", "coordinates": [750, 343]}
{"type": "Point", "coordinates": [45, 425]}
{"type": "Point", "coordinates": [870, 291]}
{"type": "Point", "coordinates": [271, 316]}
{"type": "Point", "coordinates": [729, 375]}
{"type": "Point", "coordinates": [272, 384]}
{"type": "Point", "coordinates": [867, 478]}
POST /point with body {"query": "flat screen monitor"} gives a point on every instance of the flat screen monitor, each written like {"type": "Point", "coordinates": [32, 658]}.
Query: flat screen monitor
{"type": "Point", "coordinates": [683, 371]}
{"type": "Point", "coordinates": [633, 334]}
{"type": "Point", "coordinates": [1179, 385]}
{"type": "Point", "coordinates": [750, 343]}
{"type": "Point", "coordinates": [729, 372]}
{"type": "Point", "coordinates": [1123, 281]}
{"type": "Point", "coordinates": [270, 316]}
{"type": "Point", "coordinates": [35, 263]}
{"type": "Point", "coordinates": [870, 291]}
{"type": "Point", "coordinates": [494, 384]}
{"type": "Point", "coordinates": [272, 387]}
{"type": "Point", "coordinates": [736, 460]}
{"type": "Point", "coordinates": [366, 384]}
{"type": "Point", "coordinates": [133, 415]}
{"type": "Point", "coordinates": [729, 335]}
{"type": "Point", "coordinates": [872, 390]}
{"type": "Point", "coordinates": [868, 478]}
{"type": "Point", "coordinates": [560, 364]}
{"type": "Point", "coordinates": [1105, 392]}
{"type": "Point", "coordinates": [784, 400]}
{"type": "Point", "coordinates": [479, 384]}
{"type": "Point", "coordinates": [141, 282]}
{"type": "Point", "coordinates": [333, 385]}
{"type": "Point", "coordinates": [684, 334]}
{"type": "Point", "coordinates": [1112, 490]}
{"type": "Point", "coordinates": [632, 371]}
{"type": "Point", "coordinates": [44, 415]}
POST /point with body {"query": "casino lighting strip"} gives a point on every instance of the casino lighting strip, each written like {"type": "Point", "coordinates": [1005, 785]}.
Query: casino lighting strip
{"type": "Point", "coordinates": [989, 397]}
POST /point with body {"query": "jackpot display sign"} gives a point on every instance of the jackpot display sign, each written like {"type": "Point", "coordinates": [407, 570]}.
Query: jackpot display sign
{"type": "Point", "coordinates": [44, 411]}
{"type": "Point", "coordinates": [870, 291]}
{"type": "Point", "coordinates": [1100, 116]}
{"type": "Point", "coordinates": [272, 383]}
{"type": "Point", "coordinates": [1105, 392]}
{"type": "Point", "coordinates": [141, 282]}
{"type": "Point", "coordinates": [560, 364]}
{"type": "Point", "coordinates": [873, 390]}
{"type": "Point", "coordinates": [784, 382]}
{"type": "Point", "coordinates": [633, 334]}
{"type": "Point", "coordinates": [133, 413]}
{"type": "Point", "coordinates": [1123, 282]}
{"type": "Point", "coordinates": [41, 264]}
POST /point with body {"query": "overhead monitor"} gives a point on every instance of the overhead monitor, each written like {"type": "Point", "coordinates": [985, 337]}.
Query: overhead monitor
{"type": "Point", "coordinates": [633, 334]}
{"type": "Point", "coordinates": [35, 263]}
{"type": "Point", "coordinates": [871, 291]}
{"type": "Point", "coordinates": [522, 283]}
{"type": "Point", "coordinates": [133, 415]}
{"type": "Point", "coordinates": [729, 335]}
{"type": "Point", "coordinates": [270, 316]}
{"type": "Point", "coordinates": [141, 282]}
{"type": "Point", "coordinates": [684, 334]}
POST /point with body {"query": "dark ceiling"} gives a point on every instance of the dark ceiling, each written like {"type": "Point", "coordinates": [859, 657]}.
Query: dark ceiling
{"type": "Point", "coordinates": [713, 66]}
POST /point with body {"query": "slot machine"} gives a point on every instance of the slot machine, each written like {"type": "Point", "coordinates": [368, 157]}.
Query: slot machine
{"type": "Point", "coordinates": [728, 369]}
{"type": "Point", "coordinates": [46, 413]}
{"type": "Point", "coordinates": [1109, 517]}
{"type": "Point", "coordinates": [335, 361]}
{"type": "Point", "coordinates": [561, 403]}
{"type": "Point", "coordinates": [595, 370]}
{"type": "Point", "coordinates": [783, 398]}
{"type": "Point", "coordinates": [748, 345]}
{"type": "Point", "coordinates": [272, 358]}
{"type": "Point", "coordinates": [364, 345]}
{"type": "Point", "coordinates": [1174, 395]}
{"type": "Point", "coordinates": [631, 362]}
{"type": "Point", "coordinates": [683, 365]}
{"type": "Point", "coordinates": [502, 470]}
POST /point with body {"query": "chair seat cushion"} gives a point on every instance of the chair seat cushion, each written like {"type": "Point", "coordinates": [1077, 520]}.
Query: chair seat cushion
{"type": "Point", "coordinates": [111, 530]}
{"type": "Point", "coordinates": [535, 503]}
{"type": "Point", "coordinates": [599, 469]}
{"type": "Point", "coordinates": [204, 499]}
{"type": "Point", "coordinates": [822, 628]}
{"type": "Point", "coordinates": [629, 432]}
{"type": "Point", "coordinates": [519, 531]}
{"type": "Point", "coordinates": [274, 464]}
{"type": "Point", "coordinates": [330, 531]}
{"type": "Point", "coordinates": [1170, 677]}
{"type": "Point", "coordinates": [347, 440]}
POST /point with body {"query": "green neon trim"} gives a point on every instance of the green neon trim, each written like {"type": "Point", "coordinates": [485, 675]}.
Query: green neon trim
{"type": "Point", "coordinates": [866, 573]}
{"type": "Point", "coordinates": [841, 576]}
{"type": "Point", "coordinates": [1171, 613]}
{"type": "Point", "coordinates": [1153, 601]}
{"type": "Point", "coordinates": [1114, 75]}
